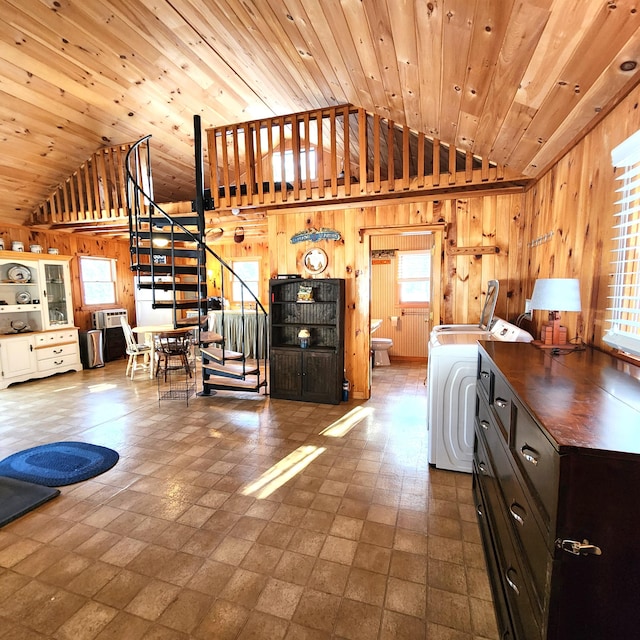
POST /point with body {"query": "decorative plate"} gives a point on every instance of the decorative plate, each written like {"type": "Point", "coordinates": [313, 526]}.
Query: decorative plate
{"type": "Point", "coordinates": [19, 273]}
{"type": "Point", "coordinates": [315, 261]}
{"type": "Point", "coordinates": [19, 325]}
{"type": "Point", "coordinates": [23, 297]}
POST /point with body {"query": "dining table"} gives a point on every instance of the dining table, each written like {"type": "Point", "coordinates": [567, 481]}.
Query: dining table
{"type": "Point", "coordinates": [151, 331]}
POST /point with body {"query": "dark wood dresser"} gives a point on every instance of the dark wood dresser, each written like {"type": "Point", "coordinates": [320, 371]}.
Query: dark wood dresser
{"type": "Point", "coordinates": [556, 479]}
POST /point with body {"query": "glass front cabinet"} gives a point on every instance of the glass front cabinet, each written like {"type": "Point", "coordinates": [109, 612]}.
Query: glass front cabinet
{"type": "Point", "coordinates": [37, 332]}
{"type": "Point", "coordinates": [56, 294]}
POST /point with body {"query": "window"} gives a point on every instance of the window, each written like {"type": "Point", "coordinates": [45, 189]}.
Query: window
{"type": "Point", "coordinates": [288, 166]}
{"type": "Point", "coordinates": [249, 271]}
{"type": "Point", "coordinates": [98, 277]}
{"type": "Point", "coordinates": [624, 312]}
{"type": "Point", "coordinates": [414, 274]}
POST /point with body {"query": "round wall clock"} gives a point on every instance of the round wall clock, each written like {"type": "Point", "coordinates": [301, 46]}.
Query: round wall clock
{"type": "Point", "coordinates": [315, 261]}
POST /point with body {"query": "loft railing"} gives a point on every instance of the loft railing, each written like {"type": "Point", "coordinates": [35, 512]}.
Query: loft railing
{"type": "Point", "coordinates": [339, 152]}
{"type": "Point", "coordinates": [95, 191]}
{"type": "Point", "coordinates": [329, 153]}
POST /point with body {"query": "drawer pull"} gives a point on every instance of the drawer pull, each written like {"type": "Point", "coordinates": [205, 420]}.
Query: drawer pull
{"type": "Point", "coordinates": [484, 424]}
{"type": "Point", "coordinates": [578, 548]}
{"type": "Point", "coordinates": [479, 511]}
{"type": "Point", "coordinates": [500, 402]}
{"type": "Point", "coordinates": [57, 351]}
{"type": "Point", "coordinates": [529, 454]}
{"type": "Point", "coordinates": [483, 467]}
{"type": "Point", "coordinates": [58, 362]}
{"type": "Point", "coordinates": [484, 374]}
{"type": "Point", "coordinates": [513, 510]}
{"type": "Point", "coordinates": [510, 582]}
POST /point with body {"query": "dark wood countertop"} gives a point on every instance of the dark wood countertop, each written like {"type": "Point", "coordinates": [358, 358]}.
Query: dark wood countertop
{"type": "Point", "coordinates": [585, 399]}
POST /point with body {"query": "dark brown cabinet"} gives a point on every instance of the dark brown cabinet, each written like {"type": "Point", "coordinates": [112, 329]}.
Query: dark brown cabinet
{"type": "Point", "coordinates": [115, 346]}
{"type": "Point", "coordinates": [556, 462]}
{"type": "Point", "coordinates": [313, 373]}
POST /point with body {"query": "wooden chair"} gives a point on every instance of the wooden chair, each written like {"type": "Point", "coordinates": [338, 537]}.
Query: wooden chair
{"type": "Point", "coordinates": [135, 350]}
{"type": "Point", "coordinates": [173, 351]}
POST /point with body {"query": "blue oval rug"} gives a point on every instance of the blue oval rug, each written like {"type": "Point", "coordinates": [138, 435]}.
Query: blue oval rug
{"type": "Point", "coordinates": [59, 463]}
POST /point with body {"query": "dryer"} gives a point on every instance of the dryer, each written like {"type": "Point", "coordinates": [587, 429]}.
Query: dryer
{"type": "Point", "coordinates": [451, 390]}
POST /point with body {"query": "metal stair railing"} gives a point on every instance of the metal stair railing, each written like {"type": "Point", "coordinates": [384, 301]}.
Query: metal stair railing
{"type": "Point", "coordinates": [143, 211]}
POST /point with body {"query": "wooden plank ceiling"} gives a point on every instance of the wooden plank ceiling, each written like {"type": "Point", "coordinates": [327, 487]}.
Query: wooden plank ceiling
{"type": "Point", "coordinates": [514, 81]}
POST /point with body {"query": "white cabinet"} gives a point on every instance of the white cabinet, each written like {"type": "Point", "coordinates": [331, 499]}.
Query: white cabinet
{"type": "Point", "coordinates": [37, 336]}
{"type": "Point", "coordinates": [56, 301]}
{"type": "Point", "coordinates": [35, 292]}
{"type": "Point", "coordinates": [18, 358]}
{"type": "Point", "coordinates": [25, 356]}
{"type": "Point", "coordinates": [20, 304]}
{"type": "Point", "coordinates": [57, 351]}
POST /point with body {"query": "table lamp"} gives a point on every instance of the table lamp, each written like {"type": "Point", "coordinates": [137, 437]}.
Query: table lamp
{"type": "Point", "coordinates": [555, 295]}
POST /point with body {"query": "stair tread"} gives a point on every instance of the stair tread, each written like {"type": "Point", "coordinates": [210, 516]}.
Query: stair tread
{"type": "Point", "coordinates": [250, 383]}
{"type": "Point", "coordinates": [169, 286]}
{"type": "Point", "coordinates": [216, 354]}
{"type": "Point", "coordinates": [180, 304]}
{"type": "Point", "coordinates": [165, 269]}
{"type": "Point", "coordinates": [214, 370]}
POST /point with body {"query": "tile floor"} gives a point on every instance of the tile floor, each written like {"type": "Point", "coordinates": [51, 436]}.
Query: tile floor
{"type": "Point", "coordinates": [242, 517]}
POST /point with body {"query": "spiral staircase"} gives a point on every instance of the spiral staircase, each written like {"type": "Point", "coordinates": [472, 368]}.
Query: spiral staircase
{"type": "Point", "coordinates": [169, 255]}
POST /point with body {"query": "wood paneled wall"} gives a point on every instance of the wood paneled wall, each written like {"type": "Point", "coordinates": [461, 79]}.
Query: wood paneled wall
{"type": "Point", "coordinates": [489, 221]}
{"type": "Point", "coordinates": [574, 202]}
{"type": "Point", "coordinates": [84, 245]}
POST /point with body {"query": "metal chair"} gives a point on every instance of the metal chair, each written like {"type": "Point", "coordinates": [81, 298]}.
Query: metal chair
{"type": "Point", "coordinates": [173, 351]}
{"type": "Point", "coordinates": [135, 350]}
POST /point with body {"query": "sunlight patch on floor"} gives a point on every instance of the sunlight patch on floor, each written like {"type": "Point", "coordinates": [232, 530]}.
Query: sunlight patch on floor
{"type": "Point", "coordinates": [101, 388]}
{"type": "Point", "coordinates": [343, 425]}
{"type": "Point", "coordinates": [283, 471]}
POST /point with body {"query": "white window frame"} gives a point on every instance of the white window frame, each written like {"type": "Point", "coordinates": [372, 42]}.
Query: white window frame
{"type": "Point", "coordinates": [417, 277]}
{"type": "Point", "coordinates": [85, 282]}
{"type": "Point", "coordinates": [254, 285]}
{"type": "Point", "coordinates": [623, 314]}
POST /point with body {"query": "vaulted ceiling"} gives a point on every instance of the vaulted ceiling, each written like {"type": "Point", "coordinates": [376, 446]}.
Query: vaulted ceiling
{"type": "Point", "coordinates": [517, 81]}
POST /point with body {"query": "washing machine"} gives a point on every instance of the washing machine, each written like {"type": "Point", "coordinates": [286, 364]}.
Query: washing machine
{"type": "Point", "coordinates": [487, 318]}
{"type": "Point", "coordinates": [451, 390]}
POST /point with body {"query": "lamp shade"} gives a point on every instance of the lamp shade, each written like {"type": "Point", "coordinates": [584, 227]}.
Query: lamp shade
{"type": "Point", "coordinates": [556, 294]}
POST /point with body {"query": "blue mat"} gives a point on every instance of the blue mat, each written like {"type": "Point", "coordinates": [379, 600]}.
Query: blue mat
{"type": "Point", "coordinates": [59, 463]}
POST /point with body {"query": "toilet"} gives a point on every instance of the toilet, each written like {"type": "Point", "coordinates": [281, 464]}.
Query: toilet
{"type": "Point", "coordinates": [380, 348]}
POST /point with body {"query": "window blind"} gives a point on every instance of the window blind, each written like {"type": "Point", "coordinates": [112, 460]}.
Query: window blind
{"type": "Point", "coordinates": [414, 271]}
{"type": "Point", "coordinates": [624, 313]}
